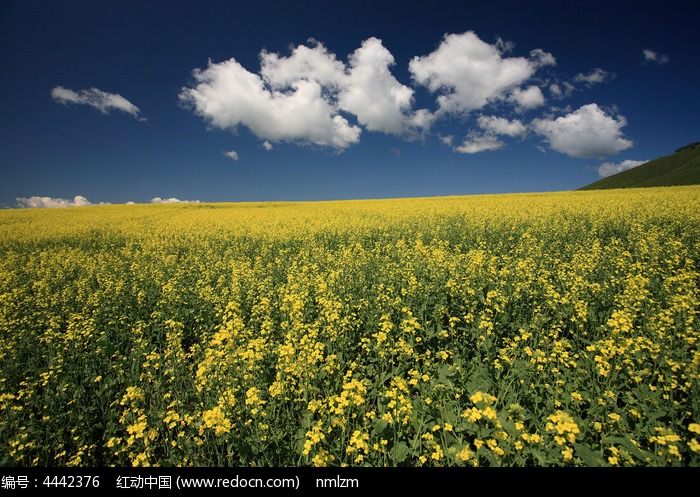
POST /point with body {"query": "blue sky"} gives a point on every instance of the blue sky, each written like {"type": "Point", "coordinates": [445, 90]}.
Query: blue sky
{"type": "Point", "coordinates": [145, 100]}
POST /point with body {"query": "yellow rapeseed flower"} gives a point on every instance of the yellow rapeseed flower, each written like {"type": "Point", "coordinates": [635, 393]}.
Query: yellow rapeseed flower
{"type": "Point", "coordinates": [216, 420]}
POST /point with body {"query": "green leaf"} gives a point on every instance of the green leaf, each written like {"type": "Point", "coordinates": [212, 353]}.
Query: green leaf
{"type": "Point", "coordinates": [479, 380]}
{"type": "Point", "coordinates": [400, 452]}
{"type": "Point", "coordinates": [444, 372]}
{"type": "Point", "coordinates": [379, 425]}
{"type": "Point", "coordinates": [588, 456]}
{"type": "Point", "coordinates": [300, 439]}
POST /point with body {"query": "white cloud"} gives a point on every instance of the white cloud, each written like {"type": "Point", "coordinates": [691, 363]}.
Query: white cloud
{"type": "Point", "coordinates": [492, 126]}
{"type": "Point", "coordinates": [652, 56]}
{"type": "Point", "coordinates": [587, 132]}
{"type": "Point", "coordinates": [374, 95]}
{"type": "Point", "coordinates": [232, 155]}
{"type": "Point", "coordinates": [98, 99]}
{"type": "Point", "coordinates": [594, 77]}
{"type": "Point", "coordinates": [227, 95]}
{"type": "Point", "coordinates": [39, 202]}
{"type": "Point", "coordinates": [529, 98]}
{"type": "Point", "coordinates": [81, 201]}
{"type": "Point", "coordinates": [172, 200]}
{"type": "Point", "coordinates": [563, 90]}
{"type": "Point", "coordinates": [311, 97]}
{"type": "Point", "coordinates": [475, 143]}
{"type": "Point", "coordinates": [313, 63]}
{"type": "Point", "coordinates": [470, 73]}
{"type": "Point", "coordinates": [501, 126]}
{"type": "Point", "coordinates": [540, 58]}
{"type": "Point", "coordinates": [300, 98]}
{"type": "Point", "coordinates": [504, 46]}
{"type": "Point", "coordinates": [447, 139]}
{"type": "Point", "coordinates": [610, 168]}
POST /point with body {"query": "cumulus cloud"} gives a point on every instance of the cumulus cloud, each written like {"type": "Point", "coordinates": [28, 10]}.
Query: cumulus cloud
{"type": "Point", "coordinates": [227, 95]}
{"type": "Point", "coordinates": [587, 132]}
{"type": "Point", "coordinates": [609, 168]}
{"type": "Point", "coordinates": [529, 98]}
{"type": "Point", "coordinates": [232, 155]}
{"type": "Point", "coordinates": [594, 77]}
{"type": "Point", "coordinates": [501, 126]}
{"type": "Point", "coordinates": [375, 96]}
{"type": "Point", "coordinates": [311, 63]}
{"type": "Point", "coordinates": [470, 73]}
{"type": "Point", "coordinates": [39, 202]}
{"type": "Point", "coordinates": [301, 97]}
{"type": "Point", "coordinates": [477, 142]}
{"type": "Point", "coordinates": [171, 200]}
{"type": "Point", "coordinates": [311, 97]}
{"type": "Point", "coordinates": [655, 57]}
{"type": "Point", "coordinates": [98, 99]}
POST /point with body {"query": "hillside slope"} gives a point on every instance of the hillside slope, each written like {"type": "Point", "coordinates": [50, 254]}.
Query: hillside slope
{"type": "Point", "coordinates": [679, 168]}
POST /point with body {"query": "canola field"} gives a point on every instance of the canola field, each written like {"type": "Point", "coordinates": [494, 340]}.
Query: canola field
{"type": "Point", "coordinates": [549, 329]}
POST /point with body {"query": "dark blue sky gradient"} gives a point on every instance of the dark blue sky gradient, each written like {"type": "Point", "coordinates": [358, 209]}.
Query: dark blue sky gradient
{"type": "Point", "coordinates": [146, 50]}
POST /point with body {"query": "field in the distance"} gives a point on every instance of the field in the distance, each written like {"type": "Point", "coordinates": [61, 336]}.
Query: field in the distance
{"type": "Point", "coordinates": [500, 330]}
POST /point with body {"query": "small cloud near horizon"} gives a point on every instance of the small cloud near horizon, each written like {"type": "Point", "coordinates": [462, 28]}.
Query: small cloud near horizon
{"type": "Point", "coordinates": [38, 202]}
{"type": "Point", "coordinates": [172, 200]}
{"type": "Point", "coordinates": [609, 168]}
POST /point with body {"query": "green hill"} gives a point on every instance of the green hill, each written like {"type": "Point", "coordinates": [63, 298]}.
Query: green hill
{"type": "Point", "coordinates": [679, 168]}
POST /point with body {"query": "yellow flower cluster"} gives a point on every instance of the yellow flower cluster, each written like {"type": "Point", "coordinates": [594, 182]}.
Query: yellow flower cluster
{"type": "Point", "coordinates": [399, 407]}
{"type": "Point", "coordinates": [565, 428]}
